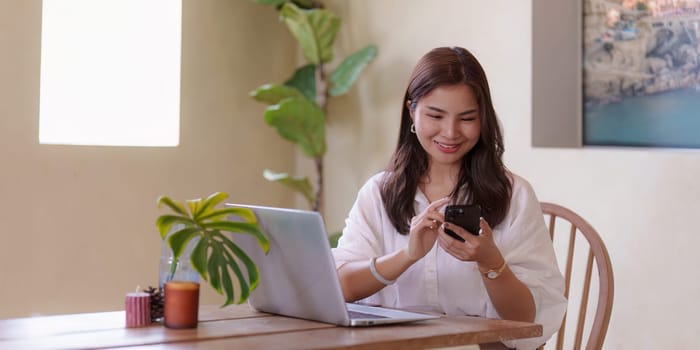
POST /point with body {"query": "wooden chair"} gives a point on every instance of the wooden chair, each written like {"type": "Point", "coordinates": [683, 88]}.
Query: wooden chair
{"type": "Point", "coordinates": [596, 252]}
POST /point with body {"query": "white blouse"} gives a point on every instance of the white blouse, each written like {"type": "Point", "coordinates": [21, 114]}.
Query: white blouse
{"type": "Point", "coordinates": [439, 282]}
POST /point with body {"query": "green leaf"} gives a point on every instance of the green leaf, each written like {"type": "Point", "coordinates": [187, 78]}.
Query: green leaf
{"type": "Point", "coordinates": [298, 24]}
{"type": "Point", "coordinates": [198, 258]}
{"type": "Point", "coordinates": [253, 273]}
{"type": "Point", "coordinates": [175, 206]}
{"type": "Point", "coordinates": [315, 30]}
{"type": "Point", "coordinates": [274, 93]}
{"type": "Point", "coordinates": [178, 240]}
{"type": "Point", "coordinates": [244, 213]}
{"type": "Point", "coordinates": [325, 27]}
{"type": "Point", "coordinates": [299, 184]}
{"type": "Point", "coordinates": [304, 80]}
{"type": "Point", "coordinates": [334, 237]}
{"type": "Point", "coordinates": [227, 284]}
{"type": "Point", "coordinates": [347, 72]}
{"type": "Point", "coordinates": [301, 122]}
{"type": "Point", "coordinates": [214, 266]}
{"type": "Point", "coordinates": [242, 283]}
{"type": "Point", "coordinates": [243, 228]}
{"type": "Point", "coordinates": [165, 222]}
{"type": "Point", "coordinates": [194, 205]}
{"type": "Point", "coordinates": [210, 202]}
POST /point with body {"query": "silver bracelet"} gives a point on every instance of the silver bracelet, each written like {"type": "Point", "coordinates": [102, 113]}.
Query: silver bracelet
{"type": "Point", "coordinates": [373, 270]}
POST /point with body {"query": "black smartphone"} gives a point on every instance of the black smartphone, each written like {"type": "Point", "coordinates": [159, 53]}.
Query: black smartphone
{"type": "Point", "coordinates": [466, 216]}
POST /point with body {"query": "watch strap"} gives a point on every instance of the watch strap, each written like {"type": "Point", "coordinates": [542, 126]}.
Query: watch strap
{"type": "Point", "coordinates": [494, 273]}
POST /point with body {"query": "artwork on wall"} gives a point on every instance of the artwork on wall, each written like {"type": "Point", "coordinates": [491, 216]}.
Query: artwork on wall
{"type": "Point", "coordinates": [641, 73]}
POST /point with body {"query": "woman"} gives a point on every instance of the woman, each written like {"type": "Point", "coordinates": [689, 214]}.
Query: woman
{"type": "Point", "coordinates": [394, 250]}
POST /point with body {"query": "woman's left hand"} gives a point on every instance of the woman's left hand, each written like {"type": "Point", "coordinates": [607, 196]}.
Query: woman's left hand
{"type": "Point", "coordinates": [480, 249]}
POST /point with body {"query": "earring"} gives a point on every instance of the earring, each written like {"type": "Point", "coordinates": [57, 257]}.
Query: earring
{"type": "Point", "coordinates": [413, 128]}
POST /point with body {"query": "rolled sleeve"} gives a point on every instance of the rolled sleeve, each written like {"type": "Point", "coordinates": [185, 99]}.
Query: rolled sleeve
{"type": "Point", "coordinates": [361, 239]}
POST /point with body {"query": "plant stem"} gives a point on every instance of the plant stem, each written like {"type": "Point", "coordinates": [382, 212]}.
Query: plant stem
{"type": "Point", "coordinates": [322, 101]}
{"type": "Point", "coordinates": [173, 268]}
{"type": "Point", "coordinates": [318, 202]}
{"type": "Point", "coordinates": [321, 90]}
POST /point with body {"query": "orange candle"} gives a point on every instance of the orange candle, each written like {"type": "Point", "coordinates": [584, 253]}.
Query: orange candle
{"type": "Point", "coordinates": [138, 309]}
{"type": "Point", "coordinates": [181, 304]}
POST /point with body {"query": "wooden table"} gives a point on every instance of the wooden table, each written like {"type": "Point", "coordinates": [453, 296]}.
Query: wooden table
{"type": "Point", "coordinates": [240, 327]}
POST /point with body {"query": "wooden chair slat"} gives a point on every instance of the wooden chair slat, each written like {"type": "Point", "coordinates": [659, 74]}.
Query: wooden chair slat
{"type": "Point", "coordinates": [584, 301]}
{"type": "Point", "coordinates": [597, 253]}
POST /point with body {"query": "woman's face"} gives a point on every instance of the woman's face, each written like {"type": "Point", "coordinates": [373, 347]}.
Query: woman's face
{"type": "Point", "coordinates": [447, 123]}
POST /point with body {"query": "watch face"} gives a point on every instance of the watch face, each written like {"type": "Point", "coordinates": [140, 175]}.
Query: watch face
{"type": "Point", "coordinates": [492, 274]}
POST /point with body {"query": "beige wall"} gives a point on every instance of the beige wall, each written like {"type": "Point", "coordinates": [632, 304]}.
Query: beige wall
{"type": "Point", "coordinates": [77, 223]}
{"type": "Point", "coordinates": [643, 201]}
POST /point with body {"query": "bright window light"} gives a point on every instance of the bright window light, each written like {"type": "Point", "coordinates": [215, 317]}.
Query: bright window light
{"type": "Point", "coordinates": [110, 72]}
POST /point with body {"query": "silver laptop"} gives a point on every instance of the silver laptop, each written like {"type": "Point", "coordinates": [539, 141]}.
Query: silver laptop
{"type": "Point", "coordinates": [298, 276]}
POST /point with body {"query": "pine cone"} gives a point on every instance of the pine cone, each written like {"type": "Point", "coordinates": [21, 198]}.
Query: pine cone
{"type": "Point", "coordinates": [157, 300]}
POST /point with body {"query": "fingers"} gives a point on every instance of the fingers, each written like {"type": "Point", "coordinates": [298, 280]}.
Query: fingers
{"type": "Point", "coordinates": [485, 229]}
{"type": "Point", "coordinates": [459, 250]}
{"type": "Point", "coordinates": [436, 205]}
{"type": "Point", "coordinates": [474, 248]}
{"type": "Point", "coordinates": [433, 224]}
{"type": "Point", "coordinates": [431, 218]}
{"type": "Point", "coordinates": [458, 230]}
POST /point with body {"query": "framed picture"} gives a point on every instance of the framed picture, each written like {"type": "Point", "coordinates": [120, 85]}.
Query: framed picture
{"type": "Point", "coordinates": [641, 73]}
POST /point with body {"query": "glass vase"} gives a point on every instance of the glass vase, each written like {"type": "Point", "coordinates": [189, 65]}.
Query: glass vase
{"type": "Point", "coordinates": [180, 283]}
{"type": "Point", "coordinates": [183, 270]}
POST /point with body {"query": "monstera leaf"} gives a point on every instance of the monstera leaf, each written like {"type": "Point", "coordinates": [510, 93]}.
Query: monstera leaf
{"type": "Point", "coordinates": [216, 256]}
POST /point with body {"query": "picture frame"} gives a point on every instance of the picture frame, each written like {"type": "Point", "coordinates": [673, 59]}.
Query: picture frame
{"type": "Point", "coordinates": [641, 73]}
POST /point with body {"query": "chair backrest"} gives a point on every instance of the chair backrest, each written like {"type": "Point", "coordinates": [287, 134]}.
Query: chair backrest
{"type": "Point", "coordinates": [596, 252]}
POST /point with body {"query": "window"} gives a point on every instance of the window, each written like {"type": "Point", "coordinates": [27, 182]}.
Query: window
{"type": "Point", "coordinates": [110, 72]}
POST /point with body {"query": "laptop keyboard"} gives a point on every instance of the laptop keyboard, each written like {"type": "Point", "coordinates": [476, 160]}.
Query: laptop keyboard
{"type": "Point", "coordinates": [362, 315]}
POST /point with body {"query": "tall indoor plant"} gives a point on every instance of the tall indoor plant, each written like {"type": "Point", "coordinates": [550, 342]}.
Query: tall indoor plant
{"type": "Point", "coordinates": [297, 108]}
{"type": "Point", "coordinates": [215, 256]}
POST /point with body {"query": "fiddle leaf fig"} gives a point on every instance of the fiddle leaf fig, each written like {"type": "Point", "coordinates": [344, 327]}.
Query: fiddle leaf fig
{"type": "Point", "coordinates": [304, 79]}
{"type": "Point", "coordinates": [325, 25]}
{"type": "Point", "coordinates": [347, 72]}
{"type": "Point", "coordinates": [215, 255]}
{"type": "Point", "coordinates": [300, 121]}
{"type": "Point", "coordinates": [315, 30]}
{"type": "Point", "coordinates": [274, 93]}
{"type": "Point", "coordinates": [303, 120]}
{"type": "Point", "coordinates": [299, 184]}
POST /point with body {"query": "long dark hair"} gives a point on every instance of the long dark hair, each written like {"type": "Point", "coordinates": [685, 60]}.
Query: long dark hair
{"type": "Point", "coordinates": [483, 178]}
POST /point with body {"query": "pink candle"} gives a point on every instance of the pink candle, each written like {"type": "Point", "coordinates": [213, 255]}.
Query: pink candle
{"type": "Point", "coordinates": [138, 309]}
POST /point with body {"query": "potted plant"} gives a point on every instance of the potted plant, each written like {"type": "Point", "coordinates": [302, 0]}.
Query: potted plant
{"type": "Point", "coordinates": [298, 108]}
{"type": "Point", "coordinates": [215, 256]}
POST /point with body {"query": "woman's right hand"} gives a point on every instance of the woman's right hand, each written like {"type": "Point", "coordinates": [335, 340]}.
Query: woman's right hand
{"type": "Point", "coordinates": [424, 230]}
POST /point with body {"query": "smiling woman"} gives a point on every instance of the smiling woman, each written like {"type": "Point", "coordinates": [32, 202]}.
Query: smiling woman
{"type": "Point", "coordinates": [396, 250]}
{"type": "Point", "coordinates": [110, 72]}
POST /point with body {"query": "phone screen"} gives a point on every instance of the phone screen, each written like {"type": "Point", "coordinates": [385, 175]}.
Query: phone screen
{"type": "Point", "coordinates": [466, 216]}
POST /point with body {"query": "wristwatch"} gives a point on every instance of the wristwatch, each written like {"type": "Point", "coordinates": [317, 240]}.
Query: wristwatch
{"type": "Point", "coordinates": [492, 274]}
